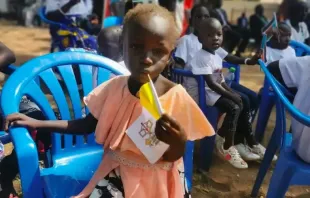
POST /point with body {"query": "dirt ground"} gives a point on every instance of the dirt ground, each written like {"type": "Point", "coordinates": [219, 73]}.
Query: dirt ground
{"type": "Point", "coordinates": [222, 181]}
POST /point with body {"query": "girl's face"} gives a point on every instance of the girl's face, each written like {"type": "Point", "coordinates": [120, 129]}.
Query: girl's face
{"type": "Point", "coordinates": [199, 15]}
{"type": "Point", "coordinates": [147, 46]}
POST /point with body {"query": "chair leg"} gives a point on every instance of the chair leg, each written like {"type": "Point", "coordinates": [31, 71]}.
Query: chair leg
{"type": "Point", "coordinates": [280, 180]}
{"type": "Point", "coordinates": [206, 152]}
{"type": "Point", "coordinates": [265, 108]}
{"type": "Point", "coordinates": [270, 152]}
{"type": "Point", "coordinates": [188, 163]}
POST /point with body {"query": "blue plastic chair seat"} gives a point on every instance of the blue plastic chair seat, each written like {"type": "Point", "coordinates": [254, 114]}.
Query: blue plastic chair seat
{"type": "Point", "coordinates": [289, 159]}
{"type": "Point", "coordinates": [74, 170]}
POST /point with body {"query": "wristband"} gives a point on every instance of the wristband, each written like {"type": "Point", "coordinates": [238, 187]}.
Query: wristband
{"type": "Point", "coordinates": [246, 60]}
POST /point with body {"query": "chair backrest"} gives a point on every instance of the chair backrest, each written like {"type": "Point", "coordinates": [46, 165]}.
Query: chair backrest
{"type": "Point", "coordinates": [301, 49]}
{"type": "Point", "coordinates": [112, 21]}
{"type": "Point", "coordinates": [283, 103]}
{"type": "Point", "coordinates": [64, 92]}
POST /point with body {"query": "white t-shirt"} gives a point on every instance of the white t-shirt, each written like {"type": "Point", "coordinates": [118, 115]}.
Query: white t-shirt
{"type": "Point", "coordinates": [277, 54]}
{"type": "Point", "coordinates": [303, 33]}
{"type": "Point", "coordinates": [204, 63]}
{"type": "Point", "coordinates": [296, 73]}
{"type": "Point", "coordinates": [84, 7]}
{"type": "Point", "coordinates": [188, 45]}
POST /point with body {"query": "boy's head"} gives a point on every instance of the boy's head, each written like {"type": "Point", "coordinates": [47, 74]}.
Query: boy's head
{"type": "Point", "coordinates": [298, 11]}
{"type": "Point", "coordinates": [210, 34]}
{"type": "Point", "coordinates": [109, 42]}
{"type": "Point", "coordinates": [281, 39]}
{"type": "Point", "coordinates": [216, 3]}
{"type": "Point", "coordinates": [149, 36]}
{"type": "Point", "coordinates": [198, 13]}
{"type": "Point", "coordinates": [259, 10]}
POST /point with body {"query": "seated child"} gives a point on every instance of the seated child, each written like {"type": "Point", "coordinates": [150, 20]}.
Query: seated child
{"type": "Point", "coordinates": [278, 46]}
{"type": "Point", "coordinates": [115, 105]}
{"type": "Point", "coordinates": [9, 165]}
{"type": "Point", "coordinates": [189, 45]}
{"type": "Point", "coordinates": [294, 73]}
{"type": "Point", "coordinates": [235, 137]}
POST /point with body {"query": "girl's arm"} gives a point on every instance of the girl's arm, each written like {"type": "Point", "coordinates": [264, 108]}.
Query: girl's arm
{"type": "Point", "coordinates": [77, 127]}
{"type": "Point", "coordinates": [221, 90]}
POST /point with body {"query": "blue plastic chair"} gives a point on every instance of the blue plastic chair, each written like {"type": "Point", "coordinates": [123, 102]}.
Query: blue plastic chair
{"type": "Point", "coordinates": [74, 158]}
{"type": "Point", "coordinates": [207, 143]}
{"type": "Point", "coordinates": [289, 170]}
{"type": "Point", "coordinates": [268, 97]}
{"type": "Point", "coordinates": [112, 21]}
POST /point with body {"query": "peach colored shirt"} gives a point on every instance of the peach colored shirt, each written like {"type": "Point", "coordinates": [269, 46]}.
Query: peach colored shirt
{"type": "Point", "coordinates": [116, 109]}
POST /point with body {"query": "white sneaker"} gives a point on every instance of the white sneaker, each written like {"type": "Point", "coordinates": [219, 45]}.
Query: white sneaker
{"type": "Point", "coordinates": [234, 158]}
{"type": "Point", "coordinates": [219, 141]}
{"type": "Point", "coordinates": [246, 152]}
{"type": "Point", "coordinates": [260, 150]}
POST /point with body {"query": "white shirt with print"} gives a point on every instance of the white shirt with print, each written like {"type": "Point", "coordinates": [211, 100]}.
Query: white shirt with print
{"type": "Point", "coordinates": [277, 54]}
{"type": "Point", "coordinates": [204, 63]}
{"type": "Point", "coordinates": [302, 34]}
{"type": "Point", "coordinates": [296, 73]}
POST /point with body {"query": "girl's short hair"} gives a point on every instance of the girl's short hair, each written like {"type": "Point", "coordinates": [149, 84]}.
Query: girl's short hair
{"type": "Point", "coordinates": [147, 10]}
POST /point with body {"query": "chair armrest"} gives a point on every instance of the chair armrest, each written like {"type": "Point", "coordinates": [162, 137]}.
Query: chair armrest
{"type": "Point", "coordinates": [28, 162]}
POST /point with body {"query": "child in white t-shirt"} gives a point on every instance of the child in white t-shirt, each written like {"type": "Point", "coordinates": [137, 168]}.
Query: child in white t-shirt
{"type": "Point", "coordinates": [295, 72]}
{"type": "Point", "coordinates": [278, 47]}
{"type": "Point", "coordinates": [237, 120]}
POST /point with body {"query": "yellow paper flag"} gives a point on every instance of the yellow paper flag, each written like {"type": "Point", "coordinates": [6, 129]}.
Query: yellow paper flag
{"type": "Point", "coordinates": [149, 99]}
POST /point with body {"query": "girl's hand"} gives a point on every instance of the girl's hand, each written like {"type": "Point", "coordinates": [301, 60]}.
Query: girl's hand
{"type": "Point", "coordinates": [18, 119]}
{"type": "Point", "coordinates": [169, 131]}
{"type": "Point", "coordinates": [254, 59]}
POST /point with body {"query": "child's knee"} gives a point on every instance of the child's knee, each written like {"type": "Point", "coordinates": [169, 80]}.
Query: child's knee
{"type": "Point", "coordinates": [235, 110]}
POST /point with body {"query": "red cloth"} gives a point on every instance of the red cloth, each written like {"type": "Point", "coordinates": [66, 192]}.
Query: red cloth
{"type": "Point", "coordinates": [107, 11]}
{"type": "Point", "coordinates": [188, 4]}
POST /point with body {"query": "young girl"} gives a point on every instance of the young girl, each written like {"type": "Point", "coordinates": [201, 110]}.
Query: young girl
{"type": "Point", "coordinates": [278, 47]}
{"type": "Point", "coordinates": [149, 36]}
{"type": "Point", "coordinates": [236, 128]}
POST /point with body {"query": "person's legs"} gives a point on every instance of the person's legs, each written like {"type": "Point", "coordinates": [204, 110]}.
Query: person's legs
{"type": "Point", "coordinates": [229, 125]}
{"type": "Point", "coordinates": [231, 40]}
{"type": "Point", "coordinates": [225, 138]}
{"type": "Point", "coordinates": [245, 40]}
{"type": "Point", "coordinates": [244, 124]}
{"type": "Point", "coordinates": [252, 96]}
